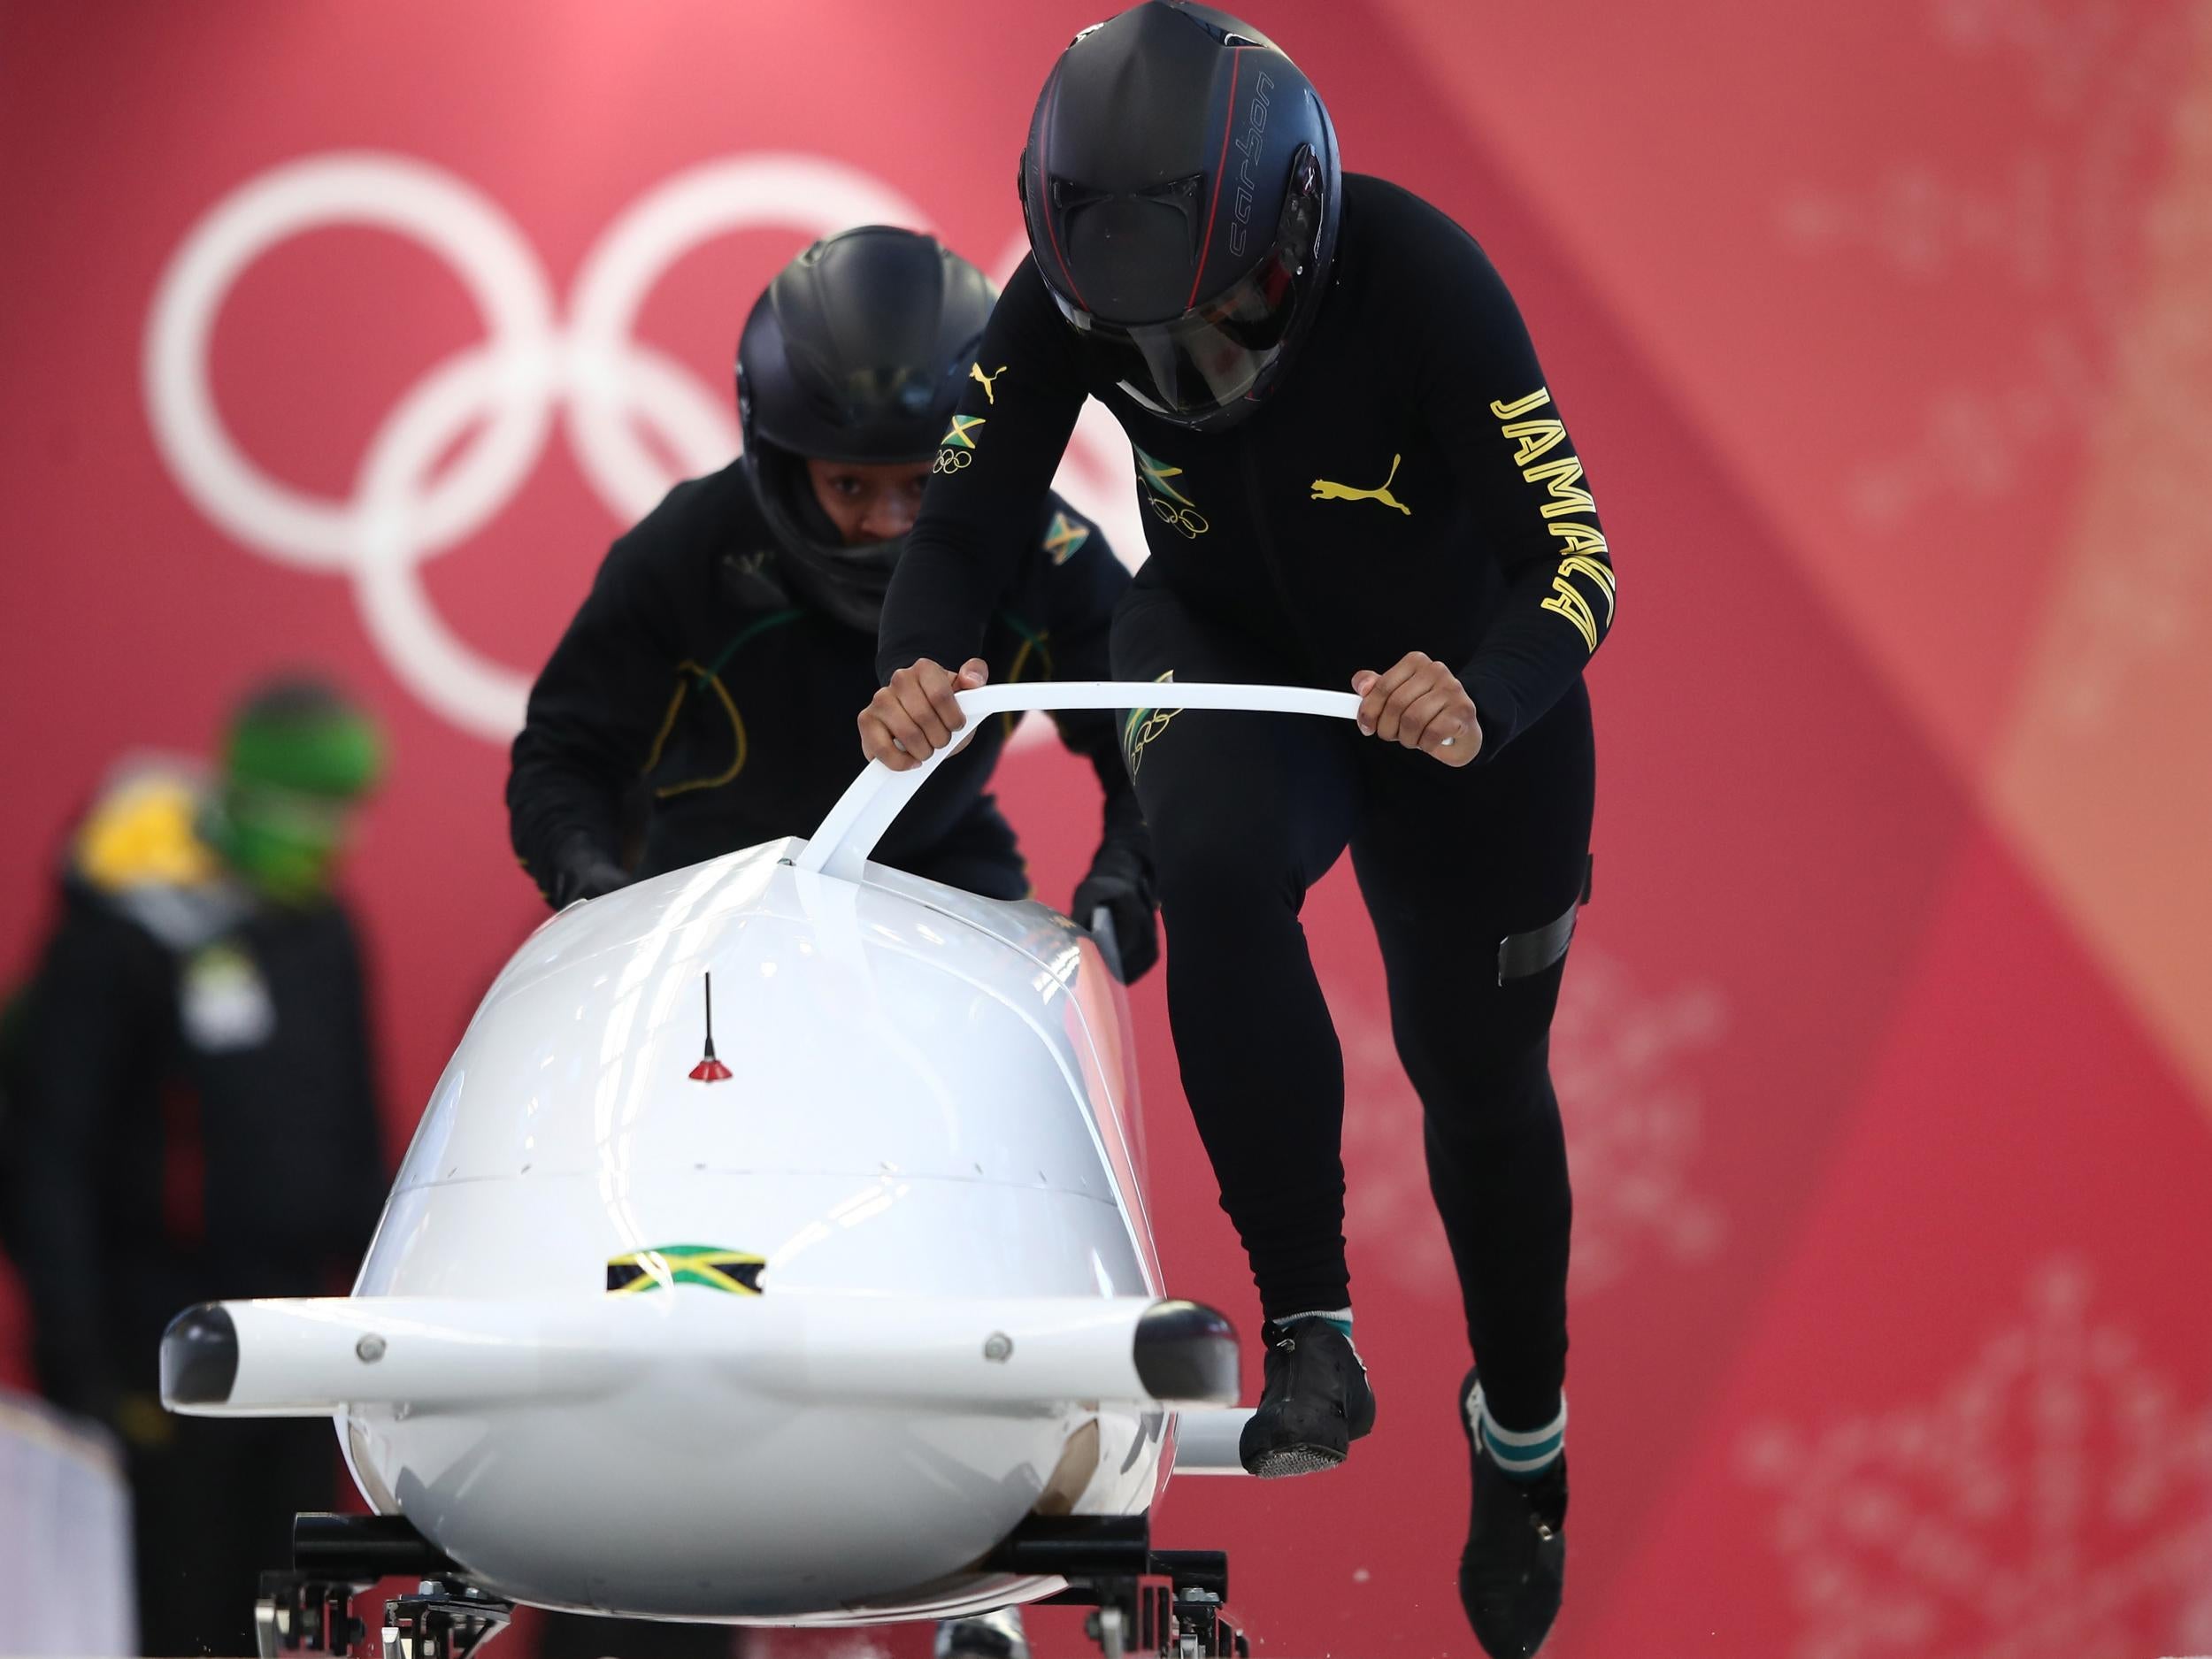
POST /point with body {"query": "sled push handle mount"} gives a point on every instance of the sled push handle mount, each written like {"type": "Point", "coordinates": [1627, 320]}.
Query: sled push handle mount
{"type": "Point", "coordinates": [841, 847]}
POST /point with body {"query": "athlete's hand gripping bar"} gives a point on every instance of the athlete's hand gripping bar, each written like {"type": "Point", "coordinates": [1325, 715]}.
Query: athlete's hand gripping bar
{"type": "Point", "coordinates": [841, 847]}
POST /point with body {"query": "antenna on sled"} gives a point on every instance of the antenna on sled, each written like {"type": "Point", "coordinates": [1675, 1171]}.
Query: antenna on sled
{"type": "Point", "coordinates": [709, 1070]}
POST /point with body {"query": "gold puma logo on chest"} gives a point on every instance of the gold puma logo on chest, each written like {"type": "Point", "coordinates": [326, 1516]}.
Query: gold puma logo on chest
{"type": "Point", "coordinates": [976, 373]}
{"type": "Point", "coordinates": [1324, 490]}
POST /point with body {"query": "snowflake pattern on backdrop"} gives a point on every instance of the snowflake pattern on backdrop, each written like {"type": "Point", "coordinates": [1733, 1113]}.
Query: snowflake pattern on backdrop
{"type": "Point", "coordinates": [2063, 224]}
{"type": "Point", "coordinates": [1633, 1123]}
{"type": "Point", "coordinates": [2054, 1501]}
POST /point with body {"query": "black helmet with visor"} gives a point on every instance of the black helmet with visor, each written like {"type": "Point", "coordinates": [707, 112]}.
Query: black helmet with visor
{"type": "Point", "coordinates": [1182, 190]}
{"type": "Point", "coordinates": [857, 351]}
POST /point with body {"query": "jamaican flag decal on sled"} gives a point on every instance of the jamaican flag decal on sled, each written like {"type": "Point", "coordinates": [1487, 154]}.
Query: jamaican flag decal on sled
{"type": "Point", "coordinates": [734, 1273]}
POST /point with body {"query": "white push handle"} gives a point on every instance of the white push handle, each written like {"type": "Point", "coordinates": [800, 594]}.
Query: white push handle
{"type": "Point", "coordinates": [841, 847]}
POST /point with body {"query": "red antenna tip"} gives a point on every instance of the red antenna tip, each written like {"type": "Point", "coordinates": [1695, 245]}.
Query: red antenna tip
{"type": "Point", "coordinates": [709, 1070]}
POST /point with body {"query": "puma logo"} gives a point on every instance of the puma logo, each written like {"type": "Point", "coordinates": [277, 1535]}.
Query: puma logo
{"type": "Point", "coordinates": [1323, 490]}
{"type": "Point", "coordinates": [976, 373]}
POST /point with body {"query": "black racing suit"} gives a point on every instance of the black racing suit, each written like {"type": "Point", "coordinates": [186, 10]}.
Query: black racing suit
{"type": "Point", "coordinates": [689, 675]}
{"type": "Point", "coordinates": [191, 1116]}
{"type": "Point", "coordinates": [1407, 486]}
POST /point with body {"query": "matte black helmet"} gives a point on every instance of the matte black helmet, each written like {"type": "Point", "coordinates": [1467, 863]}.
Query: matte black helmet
{"type": "Point", "coordinates": [857, 351]}
{"type": "Point", "coordinates": [1182, 193]}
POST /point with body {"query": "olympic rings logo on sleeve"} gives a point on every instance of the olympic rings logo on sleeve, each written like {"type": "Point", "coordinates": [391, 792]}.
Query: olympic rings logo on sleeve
{"type": "Point", "coordinates": [495, 400]}
{"type": "Point", "coordinates": [1155, 482]}
{"type": "Point", "coordinates": [1189, 520]}
{"type": "Point", "coordinates": [952, 460]}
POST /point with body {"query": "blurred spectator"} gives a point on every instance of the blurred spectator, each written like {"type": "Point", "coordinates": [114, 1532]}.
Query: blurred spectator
{"type": "Point", "coordinates": [191, 1115]}
{"type": "Point", "coordinates": [65, 1536]}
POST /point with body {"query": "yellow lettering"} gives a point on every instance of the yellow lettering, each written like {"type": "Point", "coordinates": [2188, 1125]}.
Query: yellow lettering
{"type": "Point", "coordinates": [1521, 406]}
{"type": "Point", "coordinates": [1581, 538]}
{"type": "Point", "coordinates": [1564, 478]}
{"type": "Point", "coordinates": [1536, 436]}
{"type": "Point", "coordinates": [1570, 604]}
{"type": "Point", "coordinates": [1585, 550]}
{"type": "Point", "coordinates": [1601, 574]}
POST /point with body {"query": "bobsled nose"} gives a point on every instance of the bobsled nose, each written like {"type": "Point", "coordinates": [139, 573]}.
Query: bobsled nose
{"type": "Point", "coordinates": [199, 1356]}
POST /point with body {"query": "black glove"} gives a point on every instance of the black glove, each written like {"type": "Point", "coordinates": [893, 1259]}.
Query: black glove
{"type": "Point", "coordinates": [582, 870]}
{"type": "Point", "coordinates": [1120, 882]}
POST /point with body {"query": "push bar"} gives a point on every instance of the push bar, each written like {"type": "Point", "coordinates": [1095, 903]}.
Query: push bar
{"type": "Point", "coordinates": [850, 831]}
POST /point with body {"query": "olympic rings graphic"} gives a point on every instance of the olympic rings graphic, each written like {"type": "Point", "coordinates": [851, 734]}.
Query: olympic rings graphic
{"type": "Point", "coordinates": [505, 390]}
{"type": "Point", "coordinates": [952, 460]}
{"type": "Point", "coordinates": [1189, 520]}
{"type": "Point", "coordinates": [497, 400]}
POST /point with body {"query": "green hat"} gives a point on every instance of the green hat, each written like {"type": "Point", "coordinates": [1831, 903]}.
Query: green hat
{"type": "Point", "coordinates": [297, 758]}
{"type": "Point", "coordinates": [303, 735]}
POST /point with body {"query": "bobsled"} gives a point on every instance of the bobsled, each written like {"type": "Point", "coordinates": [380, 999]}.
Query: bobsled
{"type": "Point", "coordinates": [774, 1249]}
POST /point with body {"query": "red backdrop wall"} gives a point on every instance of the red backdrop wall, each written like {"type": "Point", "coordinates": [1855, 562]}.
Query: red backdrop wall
{"type": "Point", "coordinates": [1883, 331]}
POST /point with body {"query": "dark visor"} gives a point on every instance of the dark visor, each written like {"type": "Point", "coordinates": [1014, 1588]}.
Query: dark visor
{"type": "Point", "coordinates": [1215, 353]}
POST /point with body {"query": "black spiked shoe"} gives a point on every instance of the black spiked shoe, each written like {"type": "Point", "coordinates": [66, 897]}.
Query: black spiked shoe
{"type": "Point", "coordinates": [1316, 1401]}
{"type": "Point", "coordinates": [1514, 1564]}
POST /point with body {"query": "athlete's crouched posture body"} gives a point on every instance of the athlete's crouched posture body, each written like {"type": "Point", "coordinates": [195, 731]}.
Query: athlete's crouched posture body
{"type": "Point", "coordinates": [700, 700]}
{"type": "Point", "coordinates": [1354, 472]}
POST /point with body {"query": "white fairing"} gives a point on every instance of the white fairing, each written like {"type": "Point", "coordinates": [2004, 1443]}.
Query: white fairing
{"type": "Point", "coordinates": [935, 1312]}
{"type": "Point", "coordinates": [925, 1101]}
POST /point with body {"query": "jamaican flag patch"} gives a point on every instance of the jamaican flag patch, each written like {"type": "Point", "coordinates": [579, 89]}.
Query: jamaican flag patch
{"type": "Point", "coordinates": [733, 1273]}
